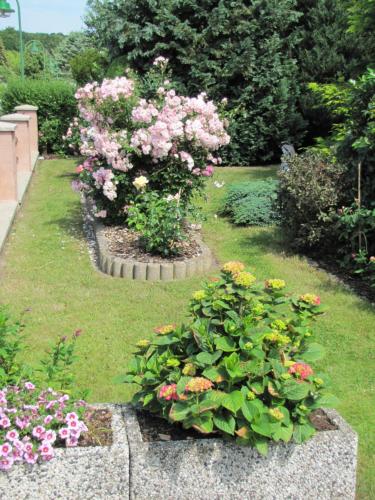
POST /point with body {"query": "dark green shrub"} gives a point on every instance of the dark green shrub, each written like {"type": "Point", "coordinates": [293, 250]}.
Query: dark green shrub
{"type": "Point", "coordinates": [252, 203]}
{"type": "Point", "coordinates": [310, 191]}
{"type": "Point", "coordinates": [56, 103]}
{"type": "Point", "coordinates": [117, 67]}
{"type": "Point", "coordinates": [234, 49]}
{"type": "Point", "coordinates": [88, 66]}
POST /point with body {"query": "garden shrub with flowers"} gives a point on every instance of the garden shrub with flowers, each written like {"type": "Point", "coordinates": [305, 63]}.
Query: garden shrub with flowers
{"type": "Point", "coordinates": [39, 408]}
{"type": "Point", "coordinates": [165, 144]}
{"type": "Point", "coordinates": [241, 367]}
{"type": "Point", "coordinates": [34, 421]}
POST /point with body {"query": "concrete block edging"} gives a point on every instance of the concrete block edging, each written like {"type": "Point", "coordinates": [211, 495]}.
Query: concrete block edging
{"type": "Point", "coordinates": [149, 271]}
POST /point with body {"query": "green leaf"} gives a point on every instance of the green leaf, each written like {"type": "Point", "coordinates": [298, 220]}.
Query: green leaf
{"type": "Point", "coordinates": [303, 432]}
{"type": "Point", "coordinates": [203, 423]}
{"type": "Point", "coordinates": [182, 384]}
{"type": "Point", "coordinates": [295, 391]}
{"type": "Point", "coordinates": [147, 399]}
{"type": "Point", "coordinates": [262, 426]}
{"type": "Point", "coordinates": [283, 433]}
{"type": "Point", "coordinates": [225, 423]}
{"type": "Point", "coordinates": [225, 344]}
{"type": "Point", "coordinates": [251, 409]}
{"type": "Point", "coordinates": [326, 401]}
{"type": "Point", "coordinates": [261, 444]}
{"type": "Point", "coordinates": [124, 379]}
{"type": "Point", "coordinates": [314, 352]}
{"type": "Point", "coordinates": [179, 412]}
{"type": "Point", "coordinates": [233, 401]}
{"type": "Point", "coordinates": [207, 358]}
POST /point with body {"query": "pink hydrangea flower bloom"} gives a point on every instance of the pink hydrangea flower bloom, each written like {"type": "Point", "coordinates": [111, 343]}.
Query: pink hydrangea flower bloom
{"type": "Point", "coordinates": [29, 386]}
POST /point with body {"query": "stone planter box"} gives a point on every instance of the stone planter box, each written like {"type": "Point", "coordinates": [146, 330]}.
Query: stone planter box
{"type": "Point", "coordinates": [322, 468]}
{"type": "Point", "coordinates": [151, 271]}
{"type": "Point", "coordinates": [75, 473]}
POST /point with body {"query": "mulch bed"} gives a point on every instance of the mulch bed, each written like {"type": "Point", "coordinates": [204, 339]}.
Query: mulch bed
{"type": "Point", "coordinates": [362, 288]}
{"type": "Point", "coordinates": [154, 428]}
{"type": "Point", "coordinates": [125, 243]}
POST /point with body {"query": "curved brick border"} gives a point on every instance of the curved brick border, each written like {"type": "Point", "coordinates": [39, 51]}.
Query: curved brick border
{"type": "Point", "coordinates": [150, 271]}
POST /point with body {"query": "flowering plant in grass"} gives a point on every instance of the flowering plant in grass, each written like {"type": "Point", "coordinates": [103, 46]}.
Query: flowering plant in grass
{"type": "Point", "coordinates": [168, 139]}
{"type": "Point", "coordinates": [34, 421]}
{"type": "Point", "coordinates": [241, 366]}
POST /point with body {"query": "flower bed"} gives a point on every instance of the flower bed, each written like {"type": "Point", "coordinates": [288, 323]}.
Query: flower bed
{"type": "Point", "coordinates": [75, 473]}
{"type": "Point", "coordinates": [155, 270]}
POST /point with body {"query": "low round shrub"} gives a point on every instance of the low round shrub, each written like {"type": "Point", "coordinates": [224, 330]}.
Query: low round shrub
{"type": "Point", "coordinates": [240, 367]}
{"type": "Point", "coordinates": [252, 203]}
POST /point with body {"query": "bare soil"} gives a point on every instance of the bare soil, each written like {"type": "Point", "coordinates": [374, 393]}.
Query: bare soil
{"type": "Point", "coordinates": [154, 428]}
{"type": "Point", "coordinates": [126, 244]}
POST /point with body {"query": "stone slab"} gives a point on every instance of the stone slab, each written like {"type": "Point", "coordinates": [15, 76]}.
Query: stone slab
{"type": "Point", "coordinates": [15, 117]}
{"type": "Point", "coordinates": [323, 468]}
{"type": "Point", "coordinates": [97, 472]}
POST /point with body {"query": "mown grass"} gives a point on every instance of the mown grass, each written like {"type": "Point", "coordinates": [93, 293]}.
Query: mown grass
{"type": "Point", "coordinates": [46, 267]}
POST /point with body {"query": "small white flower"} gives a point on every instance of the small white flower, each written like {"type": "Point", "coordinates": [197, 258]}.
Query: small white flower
{"type": "Point", "coordinates": [140, 182]}
{"type": "Point", "coordinates": [218, 184]}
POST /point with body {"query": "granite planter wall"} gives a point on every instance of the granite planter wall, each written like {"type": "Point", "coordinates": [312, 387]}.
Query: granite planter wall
{"type": "Point", "coordinates": [75, 473]}
{"type": "Point", "coordinates": [150, 271]}
{"type": "Point", "coordinates": [322, 468]}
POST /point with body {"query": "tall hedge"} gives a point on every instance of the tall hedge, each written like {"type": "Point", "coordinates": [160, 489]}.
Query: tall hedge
{"type": "Point", "coordinates": [228, 48]}
{"type": "Point", "coordinates": [56, 103]}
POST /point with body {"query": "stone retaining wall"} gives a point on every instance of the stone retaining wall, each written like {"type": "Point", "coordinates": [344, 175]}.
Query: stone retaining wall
{"type": "Point", "coordinates": [150, 271]}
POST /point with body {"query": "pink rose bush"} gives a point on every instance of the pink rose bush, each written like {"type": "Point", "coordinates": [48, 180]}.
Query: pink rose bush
{"type": "Point", "coordinates": [170, 139]}
{"type": "Point", "coordinates": [34, 421]}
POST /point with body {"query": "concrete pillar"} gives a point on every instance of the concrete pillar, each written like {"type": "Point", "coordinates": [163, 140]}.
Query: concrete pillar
{"type": "Point", "coordinates": [31, 111]}
{"type": "Point", "coordinates": [23, 153]}
{"type": "Point", "coordinates": [8, 162]}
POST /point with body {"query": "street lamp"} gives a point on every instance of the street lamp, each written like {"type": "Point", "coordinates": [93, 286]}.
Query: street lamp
{"type": "Point", "coordinates": [6, 11]}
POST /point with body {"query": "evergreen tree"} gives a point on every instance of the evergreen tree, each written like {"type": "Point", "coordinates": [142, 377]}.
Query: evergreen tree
{"type": "Point", "coordinates": [237, 49]}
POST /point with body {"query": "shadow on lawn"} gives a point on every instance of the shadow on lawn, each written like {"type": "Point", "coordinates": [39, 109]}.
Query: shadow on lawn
{"type": "Point", "coordinates": [72, 223]}
{"type": "Point", "coordinates": [267, 240]}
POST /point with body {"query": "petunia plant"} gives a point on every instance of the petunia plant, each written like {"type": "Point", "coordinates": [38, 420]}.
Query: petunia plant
{"type": "Point", "coordinates": [241, 366]}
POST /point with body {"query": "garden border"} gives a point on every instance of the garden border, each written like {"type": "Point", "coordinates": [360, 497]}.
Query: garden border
{"type": "Point", "coordinates": [323, 467]}
{"type": "Point", "coordinates": [148, 271]}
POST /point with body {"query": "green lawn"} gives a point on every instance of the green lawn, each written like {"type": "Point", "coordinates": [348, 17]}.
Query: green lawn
{"type": "Point", "coordinates": [46, 267]}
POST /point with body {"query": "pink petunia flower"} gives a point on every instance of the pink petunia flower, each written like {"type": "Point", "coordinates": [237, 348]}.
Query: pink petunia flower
{"type": "Point", "coordinates": [5, 449]}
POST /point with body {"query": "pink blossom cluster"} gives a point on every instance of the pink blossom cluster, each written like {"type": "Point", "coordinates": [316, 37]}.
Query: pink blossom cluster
{"type": "Point", "coordinates": [104, 180]}
{"type": "Point", "coordinates": [180, 119]}
{"type": "Point", "coordinates": [32, 422]}
{"type": "Point", "coordinates": [108, 89]}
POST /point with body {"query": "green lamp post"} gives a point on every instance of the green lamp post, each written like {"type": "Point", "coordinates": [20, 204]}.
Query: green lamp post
{"type": "Point", "coordinates": [6, 11]}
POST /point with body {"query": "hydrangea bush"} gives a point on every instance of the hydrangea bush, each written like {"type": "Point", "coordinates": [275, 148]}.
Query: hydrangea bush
{"type": "Point", "coordinates": [241, 367]}
{"type": "Point", "coordinates": [169, 139]}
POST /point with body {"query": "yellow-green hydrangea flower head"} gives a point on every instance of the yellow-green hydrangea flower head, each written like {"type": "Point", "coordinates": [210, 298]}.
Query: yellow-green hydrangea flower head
{"type": "Point", "coordinates": [143, 343]}
{"type": "Point", "coordinates": [233, 267]}
{"type": "Point", "coordinates": [276, 413]}
{"type": "Point", "coordinates": [310, 298]}
{"type": "Point", "coordinates": [275, 284]}
{"type": "Point", "coordinates": [278, 338]}
{"type": "Point", "coordinates": [189, 369]}
{"type": "Point", "coordinates": [244, 279]}
{"type": "Point", "coordinates": [165, 329]}
{"type": "Point", "coordinates": [199, 295]}
{"type": "Point", "coordinates": [279, 324]}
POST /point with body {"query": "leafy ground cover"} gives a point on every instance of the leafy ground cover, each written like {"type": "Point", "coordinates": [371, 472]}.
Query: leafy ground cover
{"type": "Point", "coordinates": [46, 268]}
